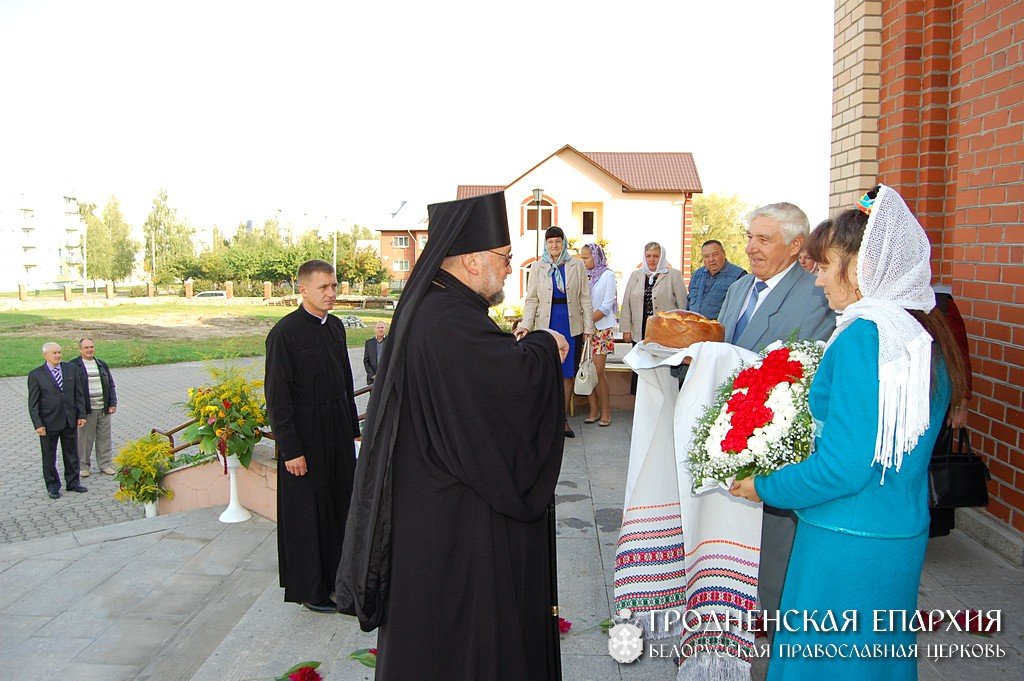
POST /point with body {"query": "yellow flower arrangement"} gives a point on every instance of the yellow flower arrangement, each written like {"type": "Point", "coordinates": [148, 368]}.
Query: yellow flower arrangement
{"type": "Point", "coordinates": [141, 465]}
{"type": "Point", "coordinates": [229, 415]}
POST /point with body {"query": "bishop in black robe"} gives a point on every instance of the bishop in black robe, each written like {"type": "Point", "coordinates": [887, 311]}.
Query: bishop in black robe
{"type": "Point", "coordinates": [449, 545]}
{"type": "Point", "coordinates": [477, 457]}
{"type": "Point", "coordinates": [313, 414]}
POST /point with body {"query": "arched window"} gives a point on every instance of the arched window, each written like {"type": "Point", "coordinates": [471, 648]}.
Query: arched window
{"type": "Point", "coordinates": [533, 215]}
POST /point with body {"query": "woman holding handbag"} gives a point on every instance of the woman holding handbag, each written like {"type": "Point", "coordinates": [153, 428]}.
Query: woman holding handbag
{"type": "Point", "coordinates": [602, 343]}
{"type": "Point", "coordinates": [558, 297]}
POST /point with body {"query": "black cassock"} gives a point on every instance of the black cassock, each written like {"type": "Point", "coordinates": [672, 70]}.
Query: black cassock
{"type": "Point", "coordinates": [476, 459]}
{"type": "Point", "coordinates": [313, 414]}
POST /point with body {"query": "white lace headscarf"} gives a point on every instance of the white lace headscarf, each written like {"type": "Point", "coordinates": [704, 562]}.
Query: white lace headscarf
{"type": "Point", "coordinates": [893, 275]}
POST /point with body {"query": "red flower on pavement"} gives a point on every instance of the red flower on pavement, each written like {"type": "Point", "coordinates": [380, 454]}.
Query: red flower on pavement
{"type": "Point", "coordinates": [757, 628]}
{"type": "Point", "coordinates": [373, 651]}
{"type": "Point", "coordinates": [564, 625]}
{"type": "Point", "coordinates": [305, 674]}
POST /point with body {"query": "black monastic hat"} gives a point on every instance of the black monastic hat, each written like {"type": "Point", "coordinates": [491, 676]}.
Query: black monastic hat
{"type": "Point", "coordinates": [472, 225]}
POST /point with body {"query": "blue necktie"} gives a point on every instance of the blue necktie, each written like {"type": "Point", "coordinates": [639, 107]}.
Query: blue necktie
{"type": "Point", "coordinates": [58, 376]}
{"type": "Point", "coordinates": [744, 319]}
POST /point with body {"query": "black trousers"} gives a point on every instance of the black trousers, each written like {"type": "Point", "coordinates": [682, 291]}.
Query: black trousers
{"type": "Point", "coordinates": [69, 450]}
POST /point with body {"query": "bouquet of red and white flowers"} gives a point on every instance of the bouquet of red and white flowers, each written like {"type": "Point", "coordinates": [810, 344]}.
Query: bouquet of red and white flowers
{"type": "Point", "coordinates": [760, 420]}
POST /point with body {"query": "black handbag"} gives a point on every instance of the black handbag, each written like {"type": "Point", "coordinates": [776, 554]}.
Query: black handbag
{"type": "Point", "coordinates": [956, 477]}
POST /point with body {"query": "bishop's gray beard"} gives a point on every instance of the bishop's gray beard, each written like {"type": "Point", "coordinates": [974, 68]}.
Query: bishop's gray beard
{"type": "Point", "coordinates": [494, 292]}
{"type": "Point", "coordinates": [496, 298]}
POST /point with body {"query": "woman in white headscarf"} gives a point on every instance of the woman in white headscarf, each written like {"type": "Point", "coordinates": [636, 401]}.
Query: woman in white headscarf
{"type": "Point", "coordinates": [655, 287]}
{"type": "Point", "coordinates": [890, 372]}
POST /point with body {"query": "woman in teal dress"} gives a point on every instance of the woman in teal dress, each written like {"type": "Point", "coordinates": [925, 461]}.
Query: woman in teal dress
{"type": "Point", "coordinates": [891, 367]}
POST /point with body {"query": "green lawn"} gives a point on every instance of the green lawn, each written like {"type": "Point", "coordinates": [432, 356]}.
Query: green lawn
{"type": "Point", "coordinates": [22, 333]}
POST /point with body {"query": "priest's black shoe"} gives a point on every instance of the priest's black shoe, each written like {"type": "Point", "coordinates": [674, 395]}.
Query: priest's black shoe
{"type": "Point", "coordinates": [54, 493]}
{"type": "Point", "coordinates": [324, 606]}
{"type": "Point", "coordinates": [569, 433]}
{"type": "Point", "coordinates": [78, 488]}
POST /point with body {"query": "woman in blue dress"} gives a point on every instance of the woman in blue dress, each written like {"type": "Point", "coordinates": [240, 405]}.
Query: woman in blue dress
{"type": "Point", "coordinates": [558, 297]}
{"type": "Point", "coordinates": [884, 386]}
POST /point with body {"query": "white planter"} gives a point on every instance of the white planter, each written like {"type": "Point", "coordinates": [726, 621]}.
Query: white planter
{"type": "Point", "coordinates": [151, 510]}
{"type": "Point", "coordinates": [234, 513]}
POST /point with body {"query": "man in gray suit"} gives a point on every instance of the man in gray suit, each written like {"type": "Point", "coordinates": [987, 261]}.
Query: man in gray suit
{"type": "Point", "coordinates": [777, 299]}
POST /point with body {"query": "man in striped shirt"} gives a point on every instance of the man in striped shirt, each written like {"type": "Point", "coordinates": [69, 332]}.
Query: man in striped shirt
{"type": "Point", "coordinates": [101, 404]}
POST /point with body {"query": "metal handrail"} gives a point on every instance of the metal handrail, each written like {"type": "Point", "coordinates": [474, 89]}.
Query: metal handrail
{"type": "Point", "coordinates": [169, 434]}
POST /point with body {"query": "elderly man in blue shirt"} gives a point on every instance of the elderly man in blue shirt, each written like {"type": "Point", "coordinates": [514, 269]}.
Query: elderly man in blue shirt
{"type": "Point", "coordinates": [709, 283]}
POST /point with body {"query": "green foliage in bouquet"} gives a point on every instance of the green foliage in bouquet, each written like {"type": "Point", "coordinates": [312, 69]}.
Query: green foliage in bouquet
{"type": "Point", "coordinates": [229, 415]}
{"type": "Point", "coordinates": [141, 465]}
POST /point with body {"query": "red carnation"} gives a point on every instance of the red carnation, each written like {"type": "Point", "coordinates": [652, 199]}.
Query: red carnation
{"type": "Point", "coordinates": [564, 625]}
{"type": "Point", "coordinates": [373, 651]}
{"type": "Point", "coordinates": [305, 674]}
{"type": "Point", "coordinates": [227, 405]}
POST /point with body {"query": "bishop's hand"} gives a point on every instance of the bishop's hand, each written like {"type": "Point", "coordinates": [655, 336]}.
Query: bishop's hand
{"type": "Point", "coordinates": [563, 345]}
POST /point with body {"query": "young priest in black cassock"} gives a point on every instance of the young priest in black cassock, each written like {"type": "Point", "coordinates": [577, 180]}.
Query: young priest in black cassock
{"type": "Point", "coordinates": [313, 415]}
{"type": "Point", "coordinates": [449, 544]}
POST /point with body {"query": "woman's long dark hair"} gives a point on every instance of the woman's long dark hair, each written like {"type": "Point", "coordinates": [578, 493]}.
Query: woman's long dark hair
{"type": "Point", "coordinates": [842, 236]}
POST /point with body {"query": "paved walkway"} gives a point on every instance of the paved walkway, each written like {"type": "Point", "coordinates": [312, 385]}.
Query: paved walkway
{"type": "Point", "coordinates": [148, 397]}
{"type": "Point", "coordinates": [185, 596]}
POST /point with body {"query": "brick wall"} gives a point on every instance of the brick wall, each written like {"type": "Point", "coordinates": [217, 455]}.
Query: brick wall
{"type": "Point", "coordinates": [686, 257]}
{"type": "Point", "coordinates": [855, 94]}
{"type": "Point", "coordinates": [389, 253]}
{"type": "Point", "coordinates": [950, 123]}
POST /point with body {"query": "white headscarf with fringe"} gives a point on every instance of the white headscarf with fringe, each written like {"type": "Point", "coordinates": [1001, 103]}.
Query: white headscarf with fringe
{"type": "Point", "coordinates": [893, 275]}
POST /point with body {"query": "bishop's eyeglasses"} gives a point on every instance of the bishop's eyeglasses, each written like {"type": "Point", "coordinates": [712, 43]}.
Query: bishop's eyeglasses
{"type": "Point", "coordinates": [508, 258]}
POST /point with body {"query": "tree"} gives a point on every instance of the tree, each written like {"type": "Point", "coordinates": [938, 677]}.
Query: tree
{"type": "Point", "coordinates": [362, 233]}
{"type": "Point", "coordinates": [720, 217]}
{"type": "Point", "coordinates": [212, 265]}
{"type": "Point", "coordinates": [362, 266]}
{"type": "Point", "coordinates": [122, 247]}
{"type": "Point", "coordinates": [167, 239]}
{"type": "Point", "coordinates": [97, 245]}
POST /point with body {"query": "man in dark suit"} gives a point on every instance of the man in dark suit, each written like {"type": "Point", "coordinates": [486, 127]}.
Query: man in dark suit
{"type": "Point", "coordinates": [776, 300]}
{"type": "Point", "coordinates": [56, 403]}
{"type": "Point", "coordinates": [372, 351]}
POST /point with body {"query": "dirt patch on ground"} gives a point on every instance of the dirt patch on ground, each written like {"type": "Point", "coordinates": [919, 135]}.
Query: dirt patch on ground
{"type": "Point", "coordinates": [152, 326]}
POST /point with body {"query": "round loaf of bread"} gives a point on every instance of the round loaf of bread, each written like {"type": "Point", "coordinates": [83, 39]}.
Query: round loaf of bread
{"type": "Point", "coordinates": [682, 328]}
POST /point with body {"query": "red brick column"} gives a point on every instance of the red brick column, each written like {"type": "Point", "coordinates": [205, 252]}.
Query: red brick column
{"type": "Point", "coordinates": [951, 139]}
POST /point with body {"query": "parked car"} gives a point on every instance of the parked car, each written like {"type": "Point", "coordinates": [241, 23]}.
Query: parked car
{"type": "Point", "coordinates": [212, 294]}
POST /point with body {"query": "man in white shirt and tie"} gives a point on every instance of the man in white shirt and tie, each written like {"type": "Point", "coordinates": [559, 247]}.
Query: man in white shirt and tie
{"type": "Point", "coordinates": [777, 299]}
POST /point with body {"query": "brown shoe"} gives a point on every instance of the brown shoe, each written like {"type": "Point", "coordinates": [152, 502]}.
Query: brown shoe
{"type": "Point", "coordinates": [84, 473]}
{"type": "Point", "coordinates": [108, 471]}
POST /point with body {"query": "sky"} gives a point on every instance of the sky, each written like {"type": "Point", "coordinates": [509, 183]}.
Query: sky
{"type": "Point", "coordinates": [336, 112]}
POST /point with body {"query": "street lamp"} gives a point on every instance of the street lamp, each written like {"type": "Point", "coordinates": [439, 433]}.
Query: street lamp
{"type": "Point", "coordinates": [538, 193]}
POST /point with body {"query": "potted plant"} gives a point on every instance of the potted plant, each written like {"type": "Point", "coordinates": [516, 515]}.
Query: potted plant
{"type": "Point", "coordinates": [141, 465]}
{"type": "Point", "coordinates": [228, 417]}
{"type": "Point", "coordinates": [228, 414]}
